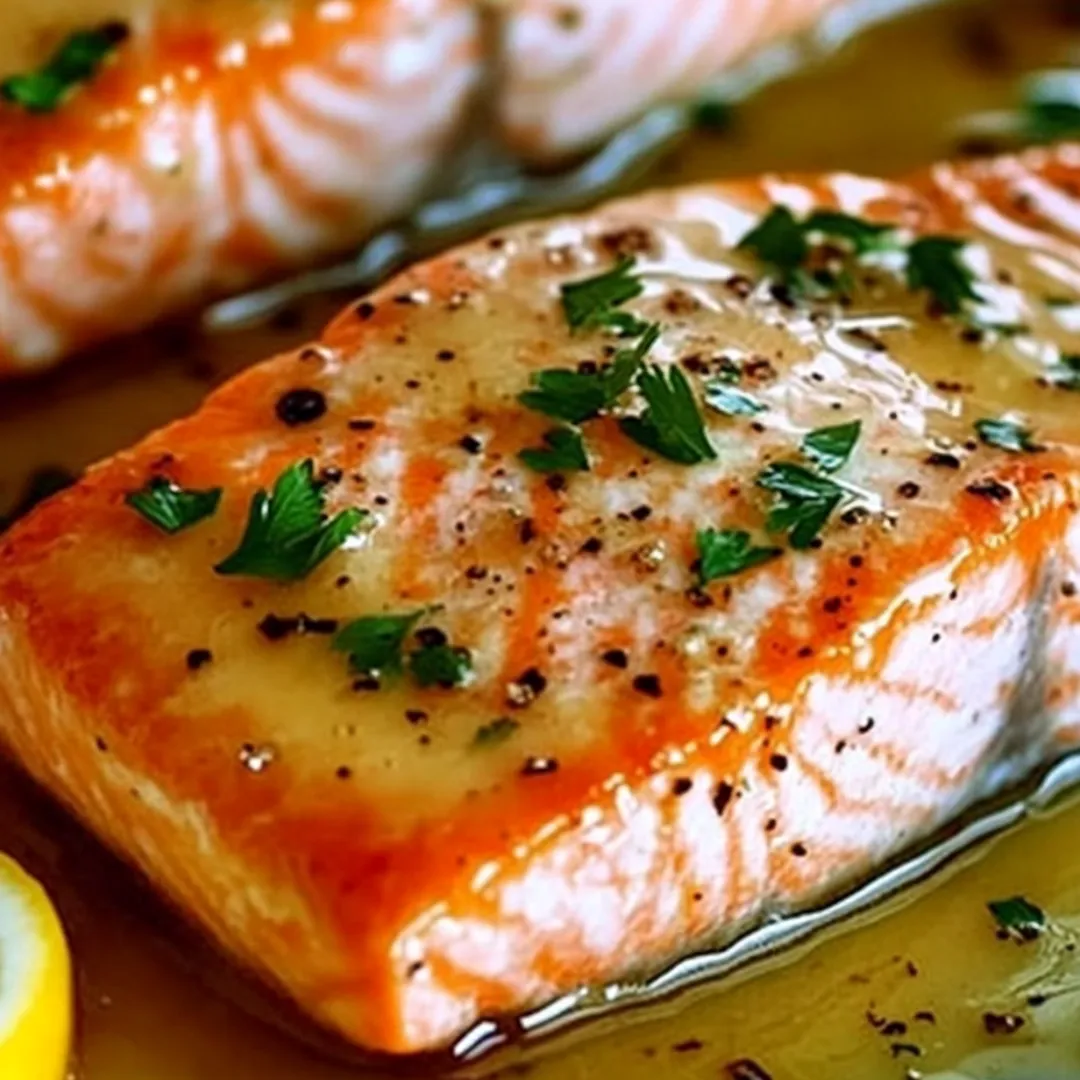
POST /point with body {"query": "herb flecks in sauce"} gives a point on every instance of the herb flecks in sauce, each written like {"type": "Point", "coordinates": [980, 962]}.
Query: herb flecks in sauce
{"type": "Point", "coordinates": [1018, 917]}
{"type": "Point", "coordinates": [564, 451]}
{"type": "Point", "coordinates": [1007, 435]}
{"type": "Point", "coordinates": [671, 424]}
{"type": "Point", "coordinates": [288, 533]}
{"type": "Point", "coordinates": [375, 643]}
{"type": "Point", "coordinates": [171, 508]}
{"type": "Point", "coordinates": [727, 552]}
{"type": "Point", "coordinates": [593, 304]}
{"type": "Point", "coordinates": [73, 64]}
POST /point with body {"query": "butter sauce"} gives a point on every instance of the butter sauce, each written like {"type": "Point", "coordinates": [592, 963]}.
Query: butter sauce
{"type": "Point", "coordinates": [931, 952]}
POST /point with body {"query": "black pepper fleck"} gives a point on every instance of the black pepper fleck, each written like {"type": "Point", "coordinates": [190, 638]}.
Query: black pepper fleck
{"type": "Point", "coordinates": [198, 658]}
{"type": "Point", "coordinates": [300, 406]}
{"type": "Point", "coordinates": [649, 685]}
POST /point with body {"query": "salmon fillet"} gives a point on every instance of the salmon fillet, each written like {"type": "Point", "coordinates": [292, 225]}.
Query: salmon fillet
{"type": "Point", "coordinates": [576, 71]}
{"type": "Point", "coordinates": [194, 150]}
{"type": "Point", "coordinates": [210, 147]}
{"type": "Point", "coordinates": [514, 637]}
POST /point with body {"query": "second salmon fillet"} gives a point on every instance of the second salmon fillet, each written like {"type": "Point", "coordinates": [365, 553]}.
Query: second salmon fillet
{"type": "Point", "coordinates": [584, 596]}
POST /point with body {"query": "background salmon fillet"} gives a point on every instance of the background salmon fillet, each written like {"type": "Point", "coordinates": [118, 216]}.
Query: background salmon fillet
{"type": "Point", "coordinates": [689, 760]}
{"type": "Point", "coordinates": [219, 147]}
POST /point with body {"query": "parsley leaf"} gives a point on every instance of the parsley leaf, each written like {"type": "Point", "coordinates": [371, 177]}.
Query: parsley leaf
{"type": "Point", "coordinates": [170, 507]}
{"type": "Point", "coordinates": [1018, 916]}
{"type": "Point", "coordinates": [786, 244]}
{"type": "Point", "coordinates": [76, 61]}
{"type": "Point", "coordinates": [724, 398]}
{"type": "Point", "coordinates": [863, 237]}
{"type": "Point", "coordinates": [498, 731]}
{"type": "Point", "coordinates": [805, 501]}
{"type": "Point", "coordinates": [778, 240]}
{"type": "Point", "coordinates": [1052, 106]}
{"type": "Point", "coordinates": [288, 534]}
{"type": "Point", "coordinates": [725, 552]}
{"type": "Point", "coordinates": [671, 425]}
{"type": "Point", "coordinates": [935, 263]}
{"type": "Point", "coordinates": [1066, 374]}
{"type": "Point", "coordinates": [577, 396]}
{"type": "Point", "coordinates": [592, 303]}
{"type": "Point", "coordinates": [375, 643]}
{"type": "Point", "coordinates": [830, 447]}
{"type": "Point", "coordinates": [1007, 435]}
{"type": "Point", "coordinates": [564, 452]}
{"type": "Point", "coordinates": [440, 664]}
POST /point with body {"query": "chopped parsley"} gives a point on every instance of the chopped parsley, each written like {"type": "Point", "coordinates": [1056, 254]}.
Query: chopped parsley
{"type": "Point", "coordinates": [671, 425]}
{"type": "Point", "coordinates": [805, 501]}
{"type": "Point", "coordinates": [936, 264]}
{"type": "Point", "coordinates": [788, 246]}
{"type": "Point", "coordinates": [830, 447]}
{"type": "Point", "coordinates": [1019, 917]}
{"type": "Point", "coordinates": [1052, 107]}
{"type": "Point", "coordinates": [726, 552]}
{"type": "Point", "coordinates": [593, 304]}
{"type": "Point", "coordinates": [712, 114]}
{"type": "Point", "coordinates": [564, 452]}
{"type": "Point", "coordinates": [498, 731]}
{"type": "Point", "coordinates": [440, 664]}
{"type": "Point", "coordinates": [779, 241]}
{"type": "Point", "coordinates": [577, 396]}
{"type": "Point", "coordinates": [1066, 373]}
{"type": "Point", "coordinates": [374, 643]}
{"type": "Point", "coordinates": [725, 399]}
{"type": "Point", "coordinates": [1007, 435]}
{"type": "Point", "coordinates": [170, 507]}
{"type": "Point", "coordinates": [288, 533]}
{"type": "Point", "coordinates": [75, 62]}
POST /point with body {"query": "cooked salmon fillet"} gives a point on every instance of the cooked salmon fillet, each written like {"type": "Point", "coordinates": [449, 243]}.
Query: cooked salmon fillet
{"type": "Point", "coordinates": [210, 146]}
{"type": "Point", "coordinates": [584, 596]}
{"type": "Point", "coordinates": [160, 153]}
{"type": "Point", "coordinates": [575, 71]}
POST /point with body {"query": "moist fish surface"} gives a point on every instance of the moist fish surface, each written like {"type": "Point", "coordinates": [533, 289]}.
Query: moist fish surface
{"type": "Point", "coordinates": [160, 154]}
{"type": "Point", "coordinates": [584, 596]}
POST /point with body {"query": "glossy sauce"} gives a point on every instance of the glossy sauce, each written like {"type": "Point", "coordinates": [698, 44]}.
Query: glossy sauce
{"type": "Point", "coordinates": [145, 1013]}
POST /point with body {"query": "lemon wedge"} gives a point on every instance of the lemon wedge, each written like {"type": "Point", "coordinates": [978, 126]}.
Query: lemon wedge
{"type": "Point", "coordinates": [35, 981]}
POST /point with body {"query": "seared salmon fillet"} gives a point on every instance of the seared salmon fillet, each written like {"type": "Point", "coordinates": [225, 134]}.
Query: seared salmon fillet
{"type": "Point", "coordinates": [162, 153]}
{"type": "Point", "coordinates": [584, 596]}
{"type": "Point", "coordinates": [154, 162]}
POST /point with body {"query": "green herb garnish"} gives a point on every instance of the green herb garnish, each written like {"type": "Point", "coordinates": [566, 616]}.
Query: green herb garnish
{"type": "Point", "coordinates": [498, 731]}
{"type": "Point", "coordinates": [75, 62]}
{"type": "Point", "coordinates": [830, 447]}
{"type": "Point", "coordinates": [805, 501]}
{"type": "Point", "coordinates": [935, 263]}
{"type": "Point", "coordinates": [671, 425]}
{"type": "Point", "coordinates": [1066, 373]}
{"type": "Point", "coordinates": [779, 241]}
{"type": "Point", "coordinates": [1007, 435]}
{"type": "Point", "coordinates": [787, 245]}
{"type": "Point", "coordinates": [577, 396]}
{"type": "Point", "coordinates": [440, 664]}
{"type": "Point", "coordinates": [714, 115]}
{"type": "Point", "coordinates": [1018, 916]}
{"type": "Point", "coordinates": [724, 398]}
{"type": "Point", "coordinates": [861, 237]}
{"type": "Point", "coordinates": [375, 643]}
{"type": "Point", "coordinates": [170, 507]}
{"type": "Point", "coordinates": [288, 533]}
{"type": "Point", "coordinates": [593, 303]}
{"type": "Point", "coordinates": [564, 452]}
{"type": "Point", "coordinates": [1052, 106]}
{"type": "Point", "coordinates": [726, 552]}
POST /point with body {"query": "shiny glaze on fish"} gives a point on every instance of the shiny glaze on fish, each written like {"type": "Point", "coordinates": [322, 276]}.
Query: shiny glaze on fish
{"type": "Point", "coordinates": [766, 743]}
